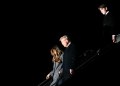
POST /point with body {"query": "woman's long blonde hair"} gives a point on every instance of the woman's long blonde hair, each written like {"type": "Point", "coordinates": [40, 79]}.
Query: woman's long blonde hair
{"type": "Point", "coordinates": [56, 53]}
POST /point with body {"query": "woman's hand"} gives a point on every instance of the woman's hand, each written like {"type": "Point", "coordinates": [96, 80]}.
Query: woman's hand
{"type": "Point", "coordinates": [59, 72]}
{"type": "Point", "coordinates": [48, 76]}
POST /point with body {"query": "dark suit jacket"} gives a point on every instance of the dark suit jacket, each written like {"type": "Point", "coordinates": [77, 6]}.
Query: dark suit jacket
{"type": "Point", "coordinates": [69, 61]}
{"type": "Point", "coordinates": [109, 25]}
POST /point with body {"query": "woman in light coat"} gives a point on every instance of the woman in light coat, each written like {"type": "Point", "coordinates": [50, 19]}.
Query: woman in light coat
{"type": "Point", "coordinates": [57, 66]}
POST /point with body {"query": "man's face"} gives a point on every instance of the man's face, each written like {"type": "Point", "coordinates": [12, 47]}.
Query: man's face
{"type": "Point", "coordinates": [103, 10]}
{"type": "Point", "coordinates": [64, 42]}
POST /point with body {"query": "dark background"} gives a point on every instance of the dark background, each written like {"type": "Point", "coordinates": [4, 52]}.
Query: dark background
{"type": "Point", "coordinates": [44, 22]}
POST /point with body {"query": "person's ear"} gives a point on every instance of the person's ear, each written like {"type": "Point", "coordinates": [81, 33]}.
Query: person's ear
{"type": "Point", "coordinates": [67, 41]}
{"type": "Point", "coordinates": [106, 8]}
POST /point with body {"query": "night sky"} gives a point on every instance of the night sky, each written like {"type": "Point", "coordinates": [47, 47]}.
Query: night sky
{"type": "Point", "coordinates": [44, 22]}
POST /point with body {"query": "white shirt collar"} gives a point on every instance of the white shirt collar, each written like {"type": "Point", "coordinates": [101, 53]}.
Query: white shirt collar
{"type": "Point", "coordinates": [69, 44]}
{"type": "Point", "coordinates": [107, 12]}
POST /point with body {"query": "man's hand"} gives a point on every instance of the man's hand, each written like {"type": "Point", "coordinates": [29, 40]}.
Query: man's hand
{"type": "Point", "coordinates": [114, 38]}
{"type": "Point", "coordinates": [71, 71]}
{"type": "Point", "coordinates": [48, 76]}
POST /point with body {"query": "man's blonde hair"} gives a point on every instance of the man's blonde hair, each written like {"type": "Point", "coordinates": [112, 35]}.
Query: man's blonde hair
{"type": "Point", "coordinates": [66, 37]}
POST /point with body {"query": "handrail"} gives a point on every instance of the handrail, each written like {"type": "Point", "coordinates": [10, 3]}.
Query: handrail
{"type": "Point", "coordinates": [44, 81]}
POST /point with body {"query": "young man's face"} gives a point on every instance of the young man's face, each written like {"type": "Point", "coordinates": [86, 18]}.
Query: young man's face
{"type": "Point", "coordinates": [103, 10]}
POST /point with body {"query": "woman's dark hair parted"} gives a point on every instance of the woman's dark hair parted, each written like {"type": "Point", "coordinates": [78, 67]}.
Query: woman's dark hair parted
{"type": "Point", "coordinates": [56, 53]}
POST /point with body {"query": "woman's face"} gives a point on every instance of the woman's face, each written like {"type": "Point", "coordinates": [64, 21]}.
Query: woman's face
{"type": "Point", "coordinates": [54, 52]}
